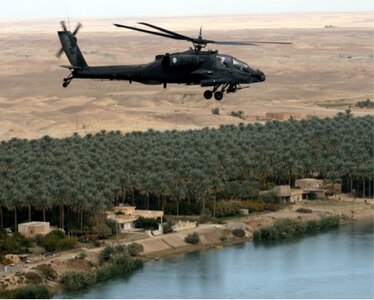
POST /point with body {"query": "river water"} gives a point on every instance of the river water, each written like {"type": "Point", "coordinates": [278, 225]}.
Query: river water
{"type": "Point", "coordinates": [336, 264]}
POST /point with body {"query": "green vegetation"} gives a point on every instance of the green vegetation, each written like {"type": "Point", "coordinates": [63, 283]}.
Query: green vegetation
{"type": "Point", "coordinates": [238, 232]}
{"type": "Point", "coordinates": [102, 230]}
{"type": "Point", "coordinates": [76, 280]}
{"type": "Point", "coordinates": [135, 249]}
{"type": "Point", "coordinates": [181, 172]}
{"type": "Point", "coordinates": [146, 223]}
{"type": "Point", "coordinates": [56, 241]}
{"type": "Point", "coordinates": [38, 291]}
{"type": "Point", "coordinates": [304, 210]}
{"type": "Point", "coordinates": [192, 238]}
{"type": "Point", "coordinates": [47, 271]}
{"type": "Point", "coordinates": [32, 277]}
{"type": "Point", "coordinates": [239, 114]}
{"type": "Point", "coordinates": [114, 261]}
{"type": "Point", "coordinates": [260, 205]}
{"type": "Point", "coordinates": [168, 226]}
{"type": "Point", "coordinates": [215, 111]}
{"type": "Point", "coordinates": [15, 244]}
{"type": "Point", "coordinates": [228, 208]}
{"type": "Point", "coordinates": [223, 238]}
{"type": "Point", "coordinates": [365, 104]}
{"type": "Point", "coordinates": [289, 228]}
{"type": "Point", "coordinates": [119, 265]}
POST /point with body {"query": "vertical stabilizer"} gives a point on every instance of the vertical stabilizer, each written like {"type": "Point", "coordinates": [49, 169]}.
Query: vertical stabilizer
{"type": "Point", "coordinates": [71, 49]}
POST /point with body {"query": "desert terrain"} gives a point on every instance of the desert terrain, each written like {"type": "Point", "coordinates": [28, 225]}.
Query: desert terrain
{"type": "Point", "coordinates": [324, 71]}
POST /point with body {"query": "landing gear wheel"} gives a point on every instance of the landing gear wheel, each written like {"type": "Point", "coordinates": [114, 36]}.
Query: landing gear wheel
{"type": "Point", "coordinates": [218, 96]}
{"type": "Point", "coordinates": [208, 94]}
{"type": "Point", "coordinates": [65, 84]}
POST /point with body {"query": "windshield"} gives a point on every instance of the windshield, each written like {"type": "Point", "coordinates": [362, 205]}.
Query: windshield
{"type": "Point", "coordinates": [223, 60]}
{"type": "Point", "coordinates": [240, 65]}
{"type": "Point", "coordinates": [227, 61]}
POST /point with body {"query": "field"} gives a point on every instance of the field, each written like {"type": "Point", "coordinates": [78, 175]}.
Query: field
{"type": "Point", "coordinates": [325, 71]}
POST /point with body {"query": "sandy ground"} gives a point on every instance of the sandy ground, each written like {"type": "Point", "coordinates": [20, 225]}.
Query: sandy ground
{"type": "Point", "coordinates": [325, 71]}
{"type": "Point", "coordinates": [171, 244]}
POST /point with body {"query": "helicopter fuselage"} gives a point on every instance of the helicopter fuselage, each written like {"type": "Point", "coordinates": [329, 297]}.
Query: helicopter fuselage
{"type": "Point", "coordinates": [205, 68]}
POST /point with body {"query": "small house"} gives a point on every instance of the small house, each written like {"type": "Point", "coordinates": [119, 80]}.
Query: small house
{"type": "Point", "coordinates": [287, 194]}
{"type": "Point", "coordinates": [31, 229]}
{"type": "Point", "coordinates": [126, 215]}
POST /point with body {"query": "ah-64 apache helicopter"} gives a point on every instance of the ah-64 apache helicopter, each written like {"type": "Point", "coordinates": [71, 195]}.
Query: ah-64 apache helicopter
{"type": "Point", "coordinates": [222, 72]}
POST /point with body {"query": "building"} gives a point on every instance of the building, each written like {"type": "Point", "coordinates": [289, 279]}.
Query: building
{"type": "Point", "coordinates": [309, 183]}
{"type": "Point", "coordinates": [31, 229]}
{"type": "Point", "coordinates": [126, 215]}
{"type": "Point", "coordinates": [289, 195]}
{"type": "Point", "coordinates": [312, 185]}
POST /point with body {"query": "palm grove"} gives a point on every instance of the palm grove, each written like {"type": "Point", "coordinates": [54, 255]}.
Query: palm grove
{"type": "Point", "coordinates": [72, 181]}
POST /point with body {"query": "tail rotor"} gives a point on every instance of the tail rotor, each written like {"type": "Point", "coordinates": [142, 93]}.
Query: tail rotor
{"type": "Point", "coordinates": [76, 30]}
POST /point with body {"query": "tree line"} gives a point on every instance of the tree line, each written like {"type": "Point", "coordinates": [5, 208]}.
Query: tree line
{"type": "Point", "coordinates": [72, 181]}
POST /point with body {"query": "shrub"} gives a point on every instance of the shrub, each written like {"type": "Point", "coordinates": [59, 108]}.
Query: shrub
{"type": "Point", "coordinates": [259, 205]}
{"type": "Point", "coordinates": [75, 280]}
{"type": "Point", "coordinates": [223, 238]}
{"type": "Point", "coordinates": [112, 225]}
{"type": "Point", "coordinates": [287, 228]}
{"type": "Point", "coordinates": [226, 208]}
{"type": "Point", "coordinates": [39, 239]}
{"type": "Point", "coordinates": [168, 227]}
{"type": "Point", "coordinates": [304, 210]}
{"type": "Point", "coordinates": [146, 223]}
{"type": "Point", "coordinates": [37, 291]}
{"type": "Point", "coordinates": [365, 104]}
{"type": "Point", "coordinates": [311, 226]}
{"type": "Point", "coordinates": [56, 232]}
{"type": "Point", "coordinates": [329, 222]}
{"type": "Point", "coordinates": [47, 271]}
{"type": "Point", "coordinates": [269, 197]}
{"type": "Point", "coordinates": [104, 273]}
{"type": "Point", "coordinates": [82, 255]}
{"type": "Point", "coordinates": [238, 232]}
{"type": "Point", "coordinates": [102, 230]}
{"type": "Point", "coordinates": [239, 114]}
{"type": "Point", "coordinates": [120, 264]}
{"type": "Point", "coordinates": [120, 249]}
{"type": "Point", "coordinates": [51, 242]}
{"type": "Point", "coordinates": [192, 238]}
{"type": "Point", "coordinates": [215, 111]}
{"type": "Point", "coordinates": [106, 254]}
{"type": "Point", "coordinates": [67, 243]}
{"type": "Point", "coordinates": [32, 277]}
{"type": "Point", "coordinates": [135, 249]}
{"type": "Point", "coordinates": [205, 218]}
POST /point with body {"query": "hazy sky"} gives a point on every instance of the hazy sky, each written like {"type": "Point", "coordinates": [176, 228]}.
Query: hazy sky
{"type": "Point", "coordinates": [105, 8]}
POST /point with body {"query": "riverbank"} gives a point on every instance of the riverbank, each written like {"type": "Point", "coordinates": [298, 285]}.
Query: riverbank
{"type": "Point", "coordinates": [211, 235]}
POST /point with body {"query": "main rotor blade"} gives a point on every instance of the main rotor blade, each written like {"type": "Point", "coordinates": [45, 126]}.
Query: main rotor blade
{"type": "Point", "coordinates": [178, 35]}
{"type": "Point", "coordinates": [77, 28]}
{"type": "Point", "coordinates": [150, 32]}
{"type": "Point", "coordinates": [252, 43]}
{"type": "Point", "coordinates": [59, 53]}
{"type": "Point", "coordinates": [232, 43]}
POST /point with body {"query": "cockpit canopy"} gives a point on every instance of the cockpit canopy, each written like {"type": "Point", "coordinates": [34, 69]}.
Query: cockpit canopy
{"type": "Point", "coordinates": [228, 61]}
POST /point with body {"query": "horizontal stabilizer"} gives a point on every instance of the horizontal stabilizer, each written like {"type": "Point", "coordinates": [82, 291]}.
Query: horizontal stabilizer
{"type": "Point", "coordinates": [72, 67]}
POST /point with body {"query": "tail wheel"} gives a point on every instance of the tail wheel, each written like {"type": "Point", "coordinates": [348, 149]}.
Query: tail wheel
{"type": "Point", "coordinates": [208, 94]}
{"type": "Point", "coordinates": [218, 95]}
